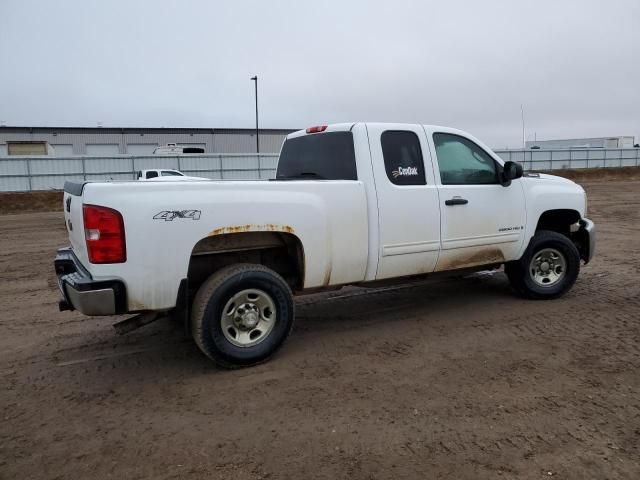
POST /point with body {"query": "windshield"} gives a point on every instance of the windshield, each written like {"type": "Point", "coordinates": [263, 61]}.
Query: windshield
{"type": "Point", "coordinates": [320, 156]}
{"type": "Point", "coordinates": [171, 173]}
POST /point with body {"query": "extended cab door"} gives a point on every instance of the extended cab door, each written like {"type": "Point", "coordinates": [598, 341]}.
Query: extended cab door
{"type": "Point", "coordinates": [408, 207]}
{"type": "Point", "coordinates": [482, 221]}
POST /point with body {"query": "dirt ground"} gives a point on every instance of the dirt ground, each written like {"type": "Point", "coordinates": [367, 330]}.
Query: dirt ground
{"type": "Point", "coordinates": [458, 379]}
{"type": "Point", "coordinates": [28, 202]}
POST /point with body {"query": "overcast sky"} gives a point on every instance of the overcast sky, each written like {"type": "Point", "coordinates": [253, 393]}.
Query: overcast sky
{"type": "Point", "coordinates": [574, 65]}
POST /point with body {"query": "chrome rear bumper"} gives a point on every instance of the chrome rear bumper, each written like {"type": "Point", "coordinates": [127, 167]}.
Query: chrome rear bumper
{"type": "Point", "coordinates": [81, 292]}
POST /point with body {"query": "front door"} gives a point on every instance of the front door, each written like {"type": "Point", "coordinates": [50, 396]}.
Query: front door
{"type": "Point", "coordinates": [482, 221]}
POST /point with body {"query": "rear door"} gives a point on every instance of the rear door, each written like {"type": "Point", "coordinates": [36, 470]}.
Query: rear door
{"type": "Point", "coordinates": [408, 206]}
{"type": "Point", "coordinates": [482, 221]}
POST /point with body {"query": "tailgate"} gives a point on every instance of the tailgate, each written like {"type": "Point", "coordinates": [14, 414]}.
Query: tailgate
{"type": "Point", "coordinates": [72, 205]}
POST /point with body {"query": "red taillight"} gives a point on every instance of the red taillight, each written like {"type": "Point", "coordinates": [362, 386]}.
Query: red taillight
{"type": "Point", "coordinates": [318, 129]}
{"type": "Point", "coordinates": [104, 233]}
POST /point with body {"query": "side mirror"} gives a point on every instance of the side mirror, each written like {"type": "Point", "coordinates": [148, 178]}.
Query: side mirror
{"type": "Point", "coordinates": [510, 171]}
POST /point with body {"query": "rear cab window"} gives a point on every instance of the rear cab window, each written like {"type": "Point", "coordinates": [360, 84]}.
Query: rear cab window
{"type": "Point", "coordinates": [402, 157]}
{"type": "Point", "coordinates": [318, 156]}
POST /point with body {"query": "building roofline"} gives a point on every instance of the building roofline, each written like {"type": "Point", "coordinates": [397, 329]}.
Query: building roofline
{"type": "Point", "coordinates": [581, 138]}
{"type": "Point", "coordinates": [143, 129]}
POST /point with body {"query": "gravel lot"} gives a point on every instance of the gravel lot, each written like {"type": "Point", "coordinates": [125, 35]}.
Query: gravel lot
{"type": "Point", "coordinates": [457, 379]}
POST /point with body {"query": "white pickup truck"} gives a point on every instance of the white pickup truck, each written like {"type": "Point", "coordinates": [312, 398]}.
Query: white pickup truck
{"type": "Point", "coordinates": [351, 204]}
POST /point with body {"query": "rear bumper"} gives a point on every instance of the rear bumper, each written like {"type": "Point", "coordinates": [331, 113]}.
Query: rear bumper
{"type": "Point", "coordinates": [587, 235]}
{"type": "Point", "coordinates": [81, 292]}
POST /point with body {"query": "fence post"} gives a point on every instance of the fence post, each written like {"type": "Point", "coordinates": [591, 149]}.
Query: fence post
{"type": "Point", "coordinates": [29, 173]}
{"type": "Point", "coordinates": [84, 169]}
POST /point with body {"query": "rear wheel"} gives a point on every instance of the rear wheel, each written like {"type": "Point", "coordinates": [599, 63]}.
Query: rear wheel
{"type": "Point", "coordinates": [548, 268]}
{"type": "Point", "coordinates": [241, 315]}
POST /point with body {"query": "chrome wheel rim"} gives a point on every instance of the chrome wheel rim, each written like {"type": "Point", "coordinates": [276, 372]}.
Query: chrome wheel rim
{"type": "Point", "coordinates": [547, 267]}
{"type": "Point", "coordinates": [248, 317]}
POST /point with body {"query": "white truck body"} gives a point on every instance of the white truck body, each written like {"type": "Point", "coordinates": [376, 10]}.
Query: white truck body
{"type": "Point", "coordinates": [348, 231]}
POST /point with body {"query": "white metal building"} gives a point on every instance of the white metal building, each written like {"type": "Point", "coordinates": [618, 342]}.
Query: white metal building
{"type": "Point", "coordinates": [67, 141]}
{"type": "Point", "coordinates": [597, 142]}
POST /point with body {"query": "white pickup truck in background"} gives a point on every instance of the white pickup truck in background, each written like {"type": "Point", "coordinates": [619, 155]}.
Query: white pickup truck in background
{"type": "Point", "coordinates": [352, 204]}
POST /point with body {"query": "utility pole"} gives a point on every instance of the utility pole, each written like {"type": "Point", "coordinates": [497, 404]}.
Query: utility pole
{"type": "Point", "coordinates": [255, 79]}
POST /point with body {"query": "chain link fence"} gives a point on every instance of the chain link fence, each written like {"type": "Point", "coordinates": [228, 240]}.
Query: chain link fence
{"type": "Point", "coordinates": [47, 173]}
{"type": "Point", "coordinates": [539, 160]}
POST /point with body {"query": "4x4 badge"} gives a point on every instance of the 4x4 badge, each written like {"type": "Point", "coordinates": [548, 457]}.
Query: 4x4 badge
{"type": "Point", "coordinates": [169, 215]}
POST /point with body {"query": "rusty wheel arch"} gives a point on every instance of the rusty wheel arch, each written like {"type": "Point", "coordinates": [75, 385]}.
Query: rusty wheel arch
{"type": "Point", "coordinates": [274, 247]}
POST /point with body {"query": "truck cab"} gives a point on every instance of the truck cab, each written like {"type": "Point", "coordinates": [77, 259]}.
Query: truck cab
{"type": "Point", "coordinates": [437, 198]}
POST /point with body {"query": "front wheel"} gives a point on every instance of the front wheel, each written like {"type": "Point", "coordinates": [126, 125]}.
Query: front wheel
{"type": "Point", "coordinates": [548, 268]}
{"type": "Point", "coordinates": [241, 315]}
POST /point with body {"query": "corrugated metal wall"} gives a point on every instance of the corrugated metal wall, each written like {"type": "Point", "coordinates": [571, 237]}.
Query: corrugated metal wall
{"type": "Point", "coordinates": [240, 142]}
{"type": "Point", "coordinates": [84, 141]}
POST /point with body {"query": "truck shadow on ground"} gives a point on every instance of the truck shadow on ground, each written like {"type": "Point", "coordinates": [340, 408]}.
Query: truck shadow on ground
{"type": "Point", "coordinates": [357, 307]}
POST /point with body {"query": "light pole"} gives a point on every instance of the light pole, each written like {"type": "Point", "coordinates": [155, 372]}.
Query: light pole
{"type": "Point", "coordinates": [255, 79]}
{"type": "Point", "coordinates": [522, 113]}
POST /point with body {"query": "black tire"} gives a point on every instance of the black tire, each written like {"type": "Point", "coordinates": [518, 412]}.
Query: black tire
{"type": "Point", "coordinates": [522, 279]}
{"type": "Point", "coordinates": [211, 299]}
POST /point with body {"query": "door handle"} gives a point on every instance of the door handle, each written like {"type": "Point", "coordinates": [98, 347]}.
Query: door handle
{"type": "Point", "coordinates": [456, 201]}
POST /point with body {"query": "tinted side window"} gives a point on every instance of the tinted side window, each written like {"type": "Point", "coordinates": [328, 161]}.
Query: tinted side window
{"type": "Point", "coordinates": [318, 156]}
{"type": "Point", "coordinates": [462, 162]}
{"type": "Point", "coordinates": [402, 157]}
{"type": "Point", "coordinates": [152, 174]}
